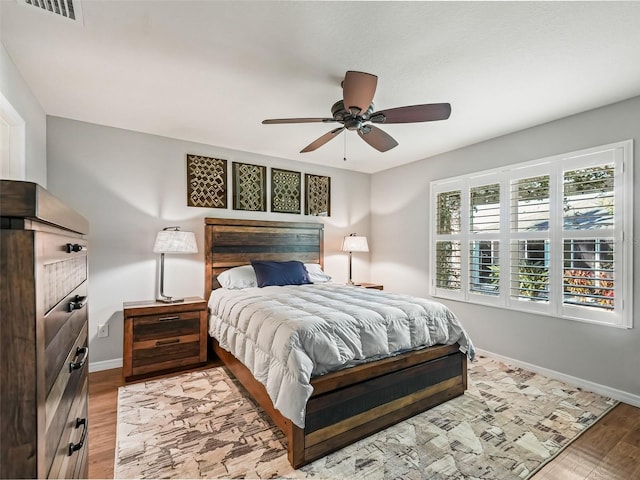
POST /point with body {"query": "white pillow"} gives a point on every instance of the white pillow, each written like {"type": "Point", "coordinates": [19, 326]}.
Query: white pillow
{"type": "Point", "coordinates": [238, 277]}
{"type": "Point", "coordinates": [316, 275]}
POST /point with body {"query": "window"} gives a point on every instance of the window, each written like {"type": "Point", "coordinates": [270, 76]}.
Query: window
{"type": "Point", "coordinates": [546, 236]}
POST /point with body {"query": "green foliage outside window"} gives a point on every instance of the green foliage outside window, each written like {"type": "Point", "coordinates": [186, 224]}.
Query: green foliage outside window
{"type": "Point", "coordinates": [533, 279]}
{"type": "Point", "coordinates": [449, 204]}
{"type": "Point", "coordinates": [448, 265]}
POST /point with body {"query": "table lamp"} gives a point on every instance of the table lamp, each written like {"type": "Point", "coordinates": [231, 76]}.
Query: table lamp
{"type": "Point", "coordinates": [172, 240]}
{"type": "Point", "coordinates": [354, 243]}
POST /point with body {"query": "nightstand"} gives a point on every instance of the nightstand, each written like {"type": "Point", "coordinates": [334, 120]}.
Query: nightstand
{"type": "Point", "coordinates": [163, 336]}
{"type": "Point", "coordinates": [375, 286]}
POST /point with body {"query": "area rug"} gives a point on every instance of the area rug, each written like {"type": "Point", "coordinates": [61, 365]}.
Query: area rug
{"type": "Point", "coordinates": [202, 424]}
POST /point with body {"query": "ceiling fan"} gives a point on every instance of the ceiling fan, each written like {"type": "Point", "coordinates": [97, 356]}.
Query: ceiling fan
{"type": "Point", "coordinates": [356, 112]}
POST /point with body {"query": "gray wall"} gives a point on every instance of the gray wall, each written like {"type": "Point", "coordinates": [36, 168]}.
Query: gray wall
{"type": "Point", "coordinates": [399, 224]}
{"type": "Point", "coordinates": [18, 93]}
{"type": "Point", "coordinates": [131, 185]}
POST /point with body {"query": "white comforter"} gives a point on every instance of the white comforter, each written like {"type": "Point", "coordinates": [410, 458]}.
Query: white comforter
{"type": "Point", "coordinates": [286, 335]}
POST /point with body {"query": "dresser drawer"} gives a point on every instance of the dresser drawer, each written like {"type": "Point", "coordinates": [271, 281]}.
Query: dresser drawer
{"type": "Point", "coordinates": [55, 247]}
{"type": "Point", "coordinates": [62, 266]}
{"type": "Point", "coordinates": [71, 452]}
{"type": "Point", "coordinates": [62, 328]}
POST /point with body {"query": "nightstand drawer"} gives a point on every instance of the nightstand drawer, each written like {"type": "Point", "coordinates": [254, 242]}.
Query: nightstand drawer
{"type": "Point", "coordinates": [153, 327]}
{"type": "Point", "coordinates": [153, 355]}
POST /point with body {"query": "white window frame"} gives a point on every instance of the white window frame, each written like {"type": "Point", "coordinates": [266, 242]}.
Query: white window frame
{"type": "Point", "coordinates": [13, 154]}
{"type": "Point", "coordinates": [618, 153]}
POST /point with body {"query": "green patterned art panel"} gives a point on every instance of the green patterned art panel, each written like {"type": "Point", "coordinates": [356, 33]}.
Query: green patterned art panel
{"type": "Point", "coordinates": [317, 195]}
{"type": "Point", "coordinates": [286, 191]}
{"type": "Point", "coordinates": [249, 187]}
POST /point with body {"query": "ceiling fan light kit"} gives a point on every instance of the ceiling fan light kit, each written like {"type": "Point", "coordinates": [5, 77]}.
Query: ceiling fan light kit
{"type": "Point", "coordinates": [356, 112]}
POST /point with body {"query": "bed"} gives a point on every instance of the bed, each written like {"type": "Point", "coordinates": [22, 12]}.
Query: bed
{"type": "Point", "coordinates": [348, 404]}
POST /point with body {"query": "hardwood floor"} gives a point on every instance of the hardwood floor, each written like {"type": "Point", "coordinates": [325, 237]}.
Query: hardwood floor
{"type": "Point", "coordinates": [609, 450]}
{"type": "Point", "coordinates": [103, 404]}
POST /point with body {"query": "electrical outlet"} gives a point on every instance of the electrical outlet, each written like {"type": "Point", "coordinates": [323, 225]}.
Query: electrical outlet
{"type": "Point", "coordinates": [103, 330]}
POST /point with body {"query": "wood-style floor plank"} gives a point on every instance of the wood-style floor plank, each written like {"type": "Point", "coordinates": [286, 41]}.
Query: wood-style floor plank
{"type": "Point", "coordinates": [602, 452]}
{"type": "Point", "coordinates": [608, 450]}
{"type": "Point", "coordinates": [103, 406]}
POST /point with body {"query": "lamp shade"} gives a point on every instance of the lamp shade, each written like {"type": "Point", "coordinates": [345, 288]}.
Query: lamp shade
{"type": "Point", "coordinates": [172, 240]}
{"type": "Point", "coordinates": [354, 243]}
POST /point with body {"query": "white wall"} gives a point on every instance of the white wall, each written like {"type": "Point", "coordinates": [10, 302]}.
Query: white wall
{"type": "Point", "coordinates": [130, 185]}
{"type": "Point", "coordinates": [399, 226]}
{"type": "Point", "coordinates": [19, 95]}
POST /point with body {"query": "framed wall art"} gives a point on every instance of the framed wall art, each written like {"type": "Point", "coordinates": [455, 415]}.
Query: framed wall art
{"type": "Point", "coordinates": [317, 195]}
{"type": "Point", "coordinates": [206, 182]}
{"type": "Point", "coordinates": [249, 187]}
{"type": "Point", "coordinates": [286, 191]}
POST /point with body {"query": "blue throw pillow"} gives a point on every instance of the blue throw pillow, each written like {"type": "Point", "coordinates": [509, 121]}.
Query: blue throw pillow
{"type": "Point", "coordinates": [280, 273]}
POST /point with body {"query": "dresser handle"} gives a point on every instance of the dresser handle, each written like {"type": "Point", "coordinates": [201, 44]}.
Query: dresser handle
{"type": "Point", "coordinates": [77, 365]}
{"type": "Point", "coordinates": [160, 343]}
{"type": "Point", "coordinates": [167, 319]}
{"type": "Point", "coordinates": [77, 303]}
{"type": "Point", "coordinates": [74, 247]}
{"type": "Point", "coordinates": [74, 447]}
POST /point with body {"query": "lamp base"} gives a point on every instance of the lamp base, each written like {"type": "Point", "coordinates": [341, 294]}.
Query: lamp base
{"type": "Point", "coordinates": [169, 300]}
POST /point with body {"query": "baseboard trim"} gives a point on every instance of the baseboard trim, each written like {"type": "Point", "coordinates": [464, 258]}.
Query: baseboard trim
{"type": "Point", "coordinates": [105, 365]}
{"type": "Point", "coordinates": [603, 390]}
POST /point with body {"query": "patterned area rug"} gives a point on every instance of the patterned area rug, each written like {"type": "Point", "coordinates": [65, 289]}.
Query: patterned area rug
{"type": "Point", "coordinates": [203, 425]}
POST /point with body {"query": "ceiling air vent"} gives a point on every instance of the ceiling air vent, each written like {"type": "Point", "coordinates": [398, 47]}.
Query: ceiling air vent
{"type": "Point", "coordinates": [69, 9]}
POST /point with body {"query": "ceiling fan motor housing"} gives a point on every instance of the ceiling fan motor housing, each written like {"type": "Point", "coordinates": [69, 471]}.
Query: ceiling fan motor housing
{"type": "Point", "coordinates": [350, 121]}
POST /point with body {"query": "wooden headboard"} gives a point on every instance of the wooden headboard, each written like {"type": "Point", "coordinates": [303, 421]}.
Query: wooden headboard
{"type": "Point", "coordinates": [232, 242]}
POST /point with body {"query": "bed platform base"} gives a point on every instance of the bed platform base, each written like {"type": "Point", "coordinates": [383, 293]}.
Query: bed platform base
{"type": "Point", "coordinates": [351, 404]}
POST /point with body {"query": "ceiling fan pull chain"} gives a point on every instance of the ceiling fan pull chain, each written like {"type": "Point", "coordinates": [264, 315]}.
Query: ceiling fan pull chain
{"type": "Point", "coordinates": [345, 149]}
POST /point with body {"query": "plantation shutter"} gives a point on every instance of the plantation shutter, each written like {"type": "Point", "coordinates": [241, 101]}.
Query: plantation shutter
{"type": "Point", "coordinates": [448, 247]}
{"type": "Point", "coordinates": [484, 240]}
{"type": "Point", "coordinates": [529, 222]}
{"type": "Point", "coordinates": [588, 237]}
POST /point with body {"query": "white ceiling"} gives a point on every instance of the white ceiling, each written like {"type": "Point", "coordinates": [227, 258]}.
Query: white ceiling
{"type": "Point", "coordinates": [211, 71]}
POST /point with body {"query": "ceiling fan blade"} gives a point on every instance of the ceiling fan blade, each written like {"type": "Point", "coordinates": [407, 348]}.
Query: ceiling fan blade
{"type": "Point", "coordinates": [377, 138]}
{"type": "Point", "coordinates": [414, 113]}
{"type": "Point", "coordinates": [322, 140]}
{"type": "Point", "coordinates": [272, 121]}
{"type": "Point", "coordinates": [358, 90]}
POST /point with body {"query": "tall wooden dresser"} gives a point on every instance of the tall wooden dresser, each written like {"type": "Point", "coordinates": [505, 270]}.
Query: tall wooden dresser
{"type": "Point", "coordinates": [43, 335]}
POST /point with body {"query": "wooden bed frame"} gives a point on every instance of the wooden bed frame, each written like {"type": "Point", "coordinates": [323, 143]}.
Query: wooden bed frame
{"type": "Point", "coordinates": [349, 404]}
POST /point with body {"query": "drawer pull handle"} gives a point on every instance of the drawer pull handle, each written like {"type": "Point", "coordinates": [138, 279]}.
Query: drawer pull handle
{"type": "Point", "coordinates": [160, 343]}
{"type": "Point", "coordinates": [84, 351]}
{"type": "Point", "coordinates": [74, 447]}
{"type": "Point", "coordinates": [168, 319]}
{"type": "Point", "coordinates": [74, 247]}
{"type": "Point", "coordinates": [77, 303]}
